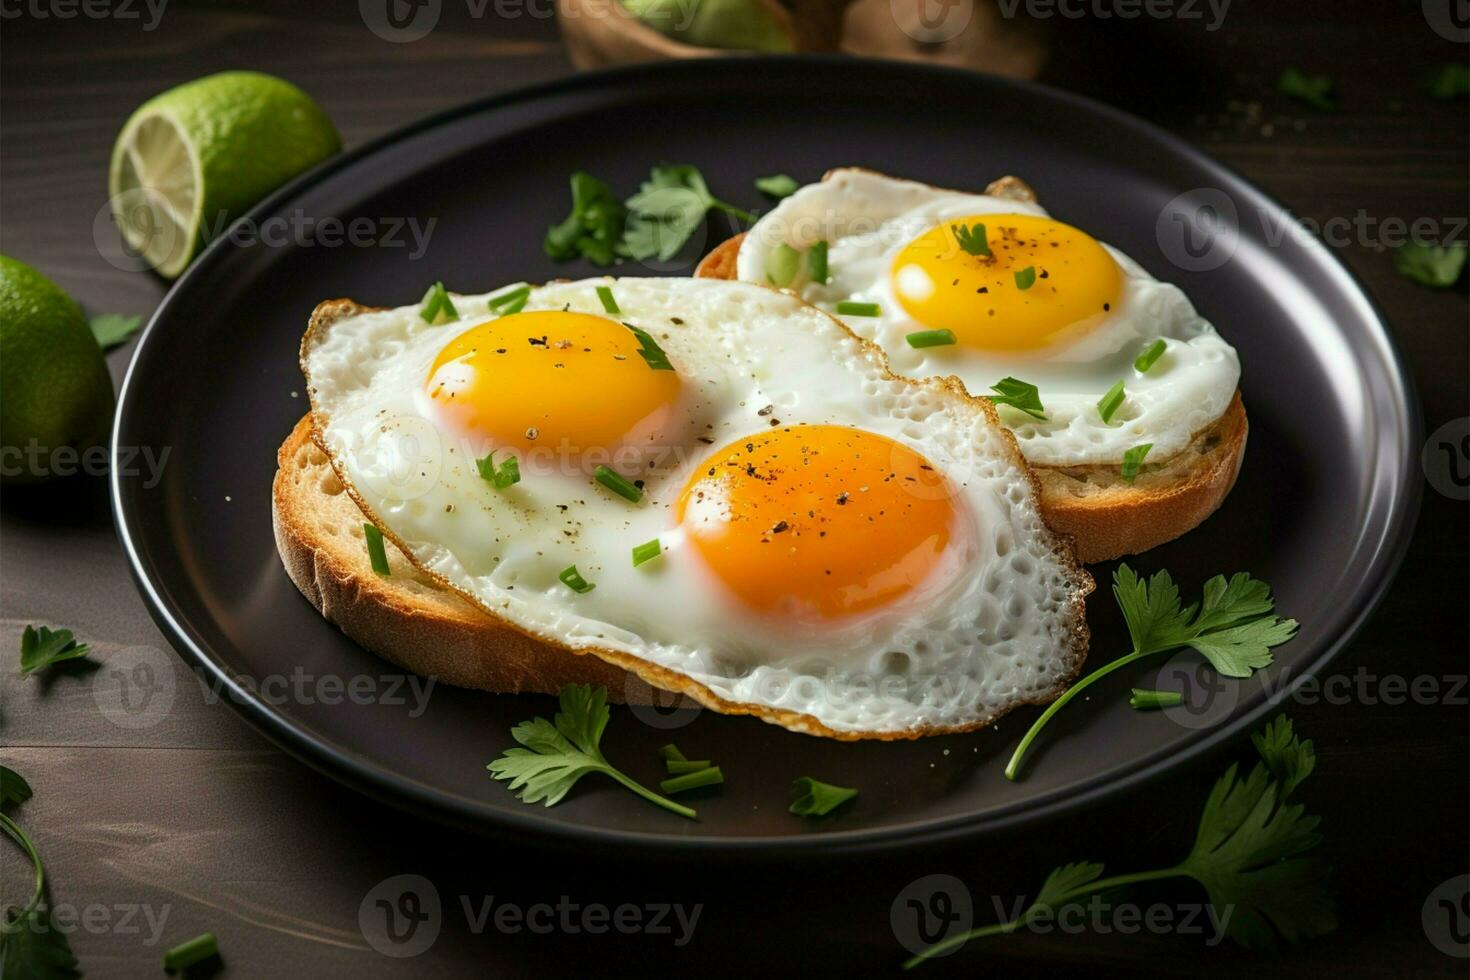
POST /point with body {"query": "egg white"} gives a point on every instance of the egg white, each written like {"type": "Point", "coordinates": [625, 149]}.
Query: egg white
{"type": "Point", "coordinates": [1001, 626]}
{"type": "Point", "coordinates": [867, 218]}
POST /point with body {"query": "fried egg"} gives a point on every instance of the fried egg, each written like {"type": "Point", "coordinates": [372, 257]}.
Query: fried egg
{"type": "Point", "coordinates": [720, 489]}
{"type": "Point", "coordinates": [986, 287]}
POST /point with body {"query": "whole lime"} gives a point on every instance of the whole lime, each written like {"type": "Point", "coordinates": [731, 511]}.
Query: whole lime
{"type": "Point", "coordinates": [55, 392]}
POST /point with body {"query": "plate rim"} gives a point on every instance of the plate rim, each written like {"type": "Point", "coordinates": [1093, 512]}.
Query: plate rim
{"type": "Point", "coordinates": [339, 762]}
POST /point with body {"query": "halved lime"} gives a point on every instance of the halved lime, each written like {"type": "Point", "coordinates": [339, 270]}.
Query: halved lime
{"type": "Point", "coordinates": [191, 160]}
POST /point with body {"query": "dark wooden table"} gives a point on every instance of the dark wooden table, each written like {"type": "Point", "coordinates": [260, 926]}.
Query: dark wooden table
{"type": "Point", "coordinates": [198, 823]}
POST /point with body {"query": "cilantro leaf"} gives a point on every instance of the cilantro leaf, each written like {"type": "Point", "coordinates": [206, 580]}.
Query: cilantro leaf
{"type": "Point", "coordinates": [41, 647]}
{"type": "Point", "coordinates": [1315, 90]}
{"type": "Point", "coordinates": [593, 229]}
{"type": "Point", "coordinates": [813, 798]}
{"type": "Point", "coordinates": [558, 753]}
{"type": "Point", "coordinates": [1063, 883]}
{"type": "Point", "coordinates": [670, 207]}
{"type": "Point", "coordinates": [1020, 395]}
{"type": "Point", "coordinates": [30, 946]}
{"type": "Point", "coordinates": [13, 787]}
{"type": "Point", "coordinates": [112, 329]}
{"type": "Point", "coordinates": [1449, 81]}
{"type": "Point", "coordinates": [1232, 627]}
{"type": "Point", "coordinates": [776, 186]}
{"type": "Point", "coordinates": [1290, 759]}
{"type": "Point", "coordinates": [1436, 266]}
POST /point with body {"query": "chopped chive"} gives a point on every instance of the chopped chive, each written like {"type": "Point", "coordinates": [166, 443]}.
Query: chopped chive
{"type": "Point", "coordinates": [816, 263]}
{"type": "Point", "coordinates": [1150, 700]}
{"type": "Point", "coordinates": [1133, 460]}
{"type": "Point", "coordinates": [651, 352]}
{"type": "Point", "coordinates": [814, 798]}
{"type": "Point", "coordinates": [931, 338]}
{"type": "Point", "coordinates": [609, 304]}
{"type": "Point", "coordinates": [678, 767]}
{"type": "Point", "coordinates": [776, 186]}
{"type": "Point", "coordinates": [377, 554]}
{"type": "Point", "coordinates": [971, 238]}
{"type": "Point", "coordinates": [849, 308]}
{"type": "Point", "coordinates": [618, 484]}
{"type": "Point", "coordinates": [1150, 354]}
{"type": "Point", "coordinates": [693, 780]}
{"type": "Point", "coordinates": [196, 950]}
{"type": "Point", "coordinates": [510, 302]}
{"type": "Point", "coordinates": [507, 474]}
{"type": "Point", "coordinates": [1019, 395]}
{"type": "Point", "coordinates": [1108, 405]}
{"type": "Point", "coordinates": [437, 307]}
{"type": "Point", "coordinates": [671, 753]}
{"type": "Point", "coordinates": [573, 580]}
{"type": "Point", "coordinates": [1026, 278]}
{"type": "Point", "coordinates": [784, 263]}
{"type": "Point", "coordinates": [647, 551]}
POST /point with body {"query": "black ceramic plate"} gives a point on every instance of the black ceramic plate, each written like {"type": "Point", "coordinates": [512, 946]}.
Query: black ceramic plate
{"type": "Point", "coordinates": [1322, 510]}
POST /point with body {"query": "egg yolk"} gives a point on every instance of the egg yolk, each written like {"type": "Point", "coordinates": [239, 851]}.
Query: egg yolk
{"type": "Point", "coordinates": [1007, 282]}
{"type": "Point", "coordinates": [818, 521]}
{"type": "Point", "coordinates": [567, 382]}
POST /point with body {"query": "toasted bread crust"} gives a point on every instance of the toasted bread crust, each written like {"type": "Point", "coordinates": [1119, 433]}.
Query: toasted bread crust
{"type": "Point", "coordinates": [527, 651]}
{"type": "Point", "coordinates": [1106, 517]}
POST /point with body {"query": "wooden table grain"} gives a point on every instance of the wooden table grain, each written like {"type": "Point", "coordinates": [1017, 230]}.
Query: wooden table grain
{"type": "Point", "coordinates": [198, 823]}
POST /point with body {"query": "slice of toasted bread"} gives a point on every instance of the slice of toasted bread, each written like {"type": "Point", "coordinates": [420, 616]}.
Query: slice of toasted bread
{"type": "Point", "coordinates": [405, 616]}
{"type": "Point", "coordinates": [1106, 516]}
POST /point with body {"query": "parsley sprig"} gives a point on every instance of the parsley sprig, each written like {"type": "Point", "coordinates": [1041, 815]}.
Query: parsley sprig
{"type": "Point", "coordinates": [558, 753]}
{"type": "Point", "coordinates": [1250, 854]}
{"type": "Point", "coordinates": [1232, 627]}
{"type": "Point", "coordinates": [30, 946]}
{"type": "Point", "coordinates": [42, 647]}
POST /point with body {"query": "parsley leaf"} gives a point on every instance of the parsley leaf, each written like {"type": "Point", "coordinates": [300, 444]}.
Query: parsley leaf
{"type": "Point", "coordinates": [1437, 266]}
{"type": "Point", "coordinates": [41, 647]}
{"type": "Point", "coordinates": [971, 239]}
{"type": "Point", "coordinates": [1250, 853]}
{"type": "Point", "coordinates": [1232, 627]}
{"type": "Point", "coordinates": [776, 186]}
{"type": "Point", "coordinates": [1018, 394]}
{"type": "Point", "coordinates": [558, 753]}
{"type": "Point", "coordinates": [813, 798]}
{"type": "Point", "coordinates": [503, 476]}
{"type": "Point", "coordinates": [593, 229]}
{"type": "Point", "coordinates": [30, 946]}
{"type": "Point", "coordinates": [1315, 90]}
{"type": "Point", "coordinates": [13, 787]}
{"type": "Point", "coordinates": [668, 209]}
{"type": "Point", "coordinates": [112, 329]}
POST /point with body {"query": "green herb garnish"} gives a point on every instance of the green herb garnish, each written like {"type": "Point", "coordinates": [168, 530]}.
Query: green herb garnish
{"type": "Point", "coordinates": [1233, 628]}
{"type": "Point", "coordinates": [1449, 81]}
{"type": "Point", "coordinates": [776, 186]}
{"type": "Point", "coordinates": [506, 475]}
{"type": "Point", "coordinates": [30, 944]}
{"type": "Point", "coordinates": [1020, 395]}
{"type": "Point", "coordinates": [816, 263]}
{"type": "Point", "coordinates": [671, 753]}
{"type": "Point", "coordinates": [1251, 855]}
{"type": "Point", "coordinates": [186, 954]}
{"type": "Point", "coordinates": [573, 580]}
{"type": "Point", "coordinates": [709, 776]}
{"type": "Point", "coordinates": [650, 351]}
{"type": "Point", "coordinates": [1437, 266]}
{"type": "Point", "coordinates": [849, 308]}
{"type": "Point", "coordinates": [618, 484]}
{"type": "Point", "coordinates": [510, 301]}
{"type": "Point", "coordinates": [377, 554]}
{"type": "Point", "coordinates": [609, 304]}
{"type": "Point", "coordinates": [437, 307]}
{"type": "Point", "coordinates": [558, 753]}
{"type": "Point", "coordinates": [13, 787]}
{"type": "Point", "coordinates": [783, 265]}
{"type": "Point", "coordinates": [1315, 90]}
{"type": "Point", "coordinates": [594, 229]}
{"type": "Point", "coordinates": [671, 205]}
{"type": "Point", "coordinates": [42, 647]}
{"type": "Point", "coordinates": [1109, 404]}
{"type": "Point", "coordinates": [112, 329]}
{"type": "Point", "coordinates": [1149, 357]}
{"type": "Point", "coordinates": [971, 238]}
{"type": "Point", "coordinates": [813, 798]}
{"type": "Point", "coordinates": [1026, 278]}
{"type": "Point", "coordinates": [1133, 460]}
{"type": "Point", "coordinates": [677, 767]}
{"type": "Point", "coordinates": [1153, 700]}
{"type": "Point", "coordinates": [931, 338]}
{"type": "Point", "coordinates": [646, 552]}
